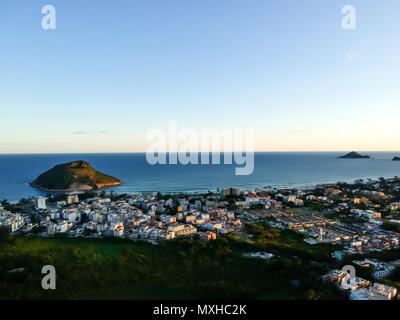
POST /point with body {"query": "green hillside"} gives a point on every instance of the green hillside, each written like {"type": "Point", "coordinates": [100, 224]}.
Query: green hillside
{"type": "Point", "coordinates": [72, 176]}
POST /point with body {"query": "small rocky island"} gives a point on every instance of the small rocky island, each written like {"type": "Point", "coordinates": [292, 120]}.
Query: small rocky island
{"type": "Point", "coordinates": [396, 159]}
{"type": "Point", "coordinates": [354, 155]}
{"type": "Point", "coordinates": [74, 176]}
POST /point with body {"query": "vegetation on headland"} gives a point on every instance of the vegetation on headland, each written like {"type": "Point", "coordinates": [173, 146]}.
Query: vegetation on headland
{"type": "Point", "coordinates": [74, 176]}
{"type": "Point", "coordinates": [89, 268]}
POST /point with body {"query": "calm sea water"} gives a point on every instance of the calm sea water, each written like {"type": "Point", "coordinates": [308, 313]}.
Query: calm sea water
{"type": "Point", "coordinates": [270, 169]}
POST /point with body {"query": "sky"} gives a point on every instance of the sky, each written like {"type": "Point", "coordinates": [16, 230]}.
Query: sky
{"type": "Point", "coordinates": [113, 70]}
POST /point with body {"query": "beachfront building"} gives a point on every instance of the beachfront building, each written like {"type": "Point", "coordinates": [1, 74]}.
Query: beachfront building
{"type": "Point", "coordinates": [41, 203]}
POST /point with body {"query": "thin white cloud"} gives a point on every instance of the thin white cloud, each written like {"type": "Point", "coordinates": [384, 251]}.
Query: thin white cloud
{"type": "Point", "coordinates": [352, 55]}
{"type": "Point", "coordinates": [299, 131]}
{"type": "Point", "coordinates": [79, 132]}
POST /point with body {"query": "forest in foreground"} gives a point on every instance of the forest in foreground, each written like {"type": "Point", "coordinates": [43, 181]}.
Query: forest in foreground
{"type": "Point", "coordinates": [177, 269]}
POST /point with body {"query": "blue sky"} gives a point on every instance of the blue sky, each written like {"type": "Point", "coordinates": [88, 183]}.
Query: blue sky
{"type": "Point", "coordinates": [112, 70]}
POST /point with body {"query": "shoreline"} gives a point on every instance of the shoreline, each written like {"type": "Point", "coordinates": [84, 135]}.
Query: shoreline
{"type": "Point", "coordinates": [214, 190]}
{"type": "Point", "coordinates": [83, 189]}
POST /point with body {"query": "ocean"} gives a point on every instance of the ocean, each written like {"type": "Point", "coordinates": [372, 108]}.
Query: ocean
{"type": "Point", "coordinates": [277, 169]}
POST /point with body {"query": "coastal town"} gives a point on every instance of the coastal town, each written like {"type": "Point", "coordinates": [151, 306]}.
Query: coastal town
{"type": "Point", "coordinates": [361, 218]}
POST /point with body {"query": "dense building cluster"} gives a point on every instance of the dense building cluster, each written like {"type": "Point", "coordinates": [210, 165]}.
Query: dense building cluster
{"type": "Point", "coordinates": [136, 217]}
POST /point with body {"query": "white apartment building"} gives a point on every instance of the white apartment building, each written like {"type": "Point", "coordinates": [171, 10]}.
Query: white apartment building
{"type": "Point", "coordinates": [41, 203]}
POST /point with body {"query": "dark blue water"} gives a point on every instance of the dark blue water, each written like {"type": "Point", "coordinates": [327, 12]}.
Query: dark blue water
{"type": "Point", "coordinates": [270, 169]}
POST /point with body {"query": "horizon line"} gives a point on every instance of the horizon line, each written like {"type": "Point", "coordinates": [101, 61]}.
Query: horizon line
{"type": "Point", "coordinates": [144, 152]}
